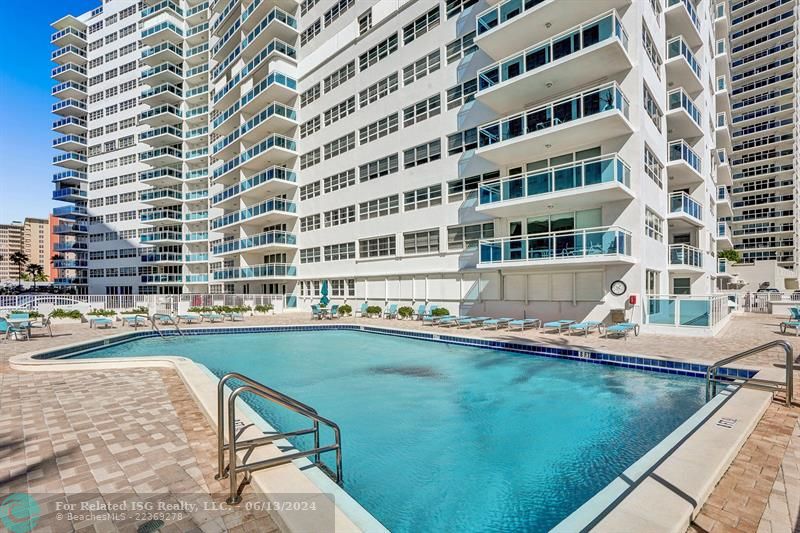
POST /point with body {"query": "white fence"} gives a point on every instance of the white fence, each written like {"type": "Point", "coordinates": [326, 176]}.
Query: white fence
{"type": "Point", "coordinates": [761, 302]}
{"type": "Point", "coordinates": [155, 303]}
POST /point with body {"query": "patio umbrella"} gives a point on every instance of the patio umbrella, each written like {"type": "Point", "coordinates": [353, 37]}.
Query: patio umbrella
{"type": "Point", "coordinates": [324, 293]}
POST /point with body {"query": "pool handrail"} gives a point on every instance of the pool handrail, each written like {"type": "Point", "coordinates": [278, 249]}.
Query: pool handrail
{"type": "Point", "coordinates": [162, 316]}
{"type": "Point", "coordinates": [259, 389]}
{"type": "Point", "coordinates": [712, 379]}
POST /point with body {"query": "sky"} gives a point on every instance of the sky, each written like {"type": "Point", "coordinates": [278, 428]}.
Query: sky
{"type": "Point", "coordinates": [25, 118]}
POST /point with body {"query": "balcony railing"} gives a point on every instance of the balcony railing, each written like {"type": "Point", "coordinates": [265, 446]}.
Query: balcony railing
{"type": "Point", "coordinates": [586, 104]}
{"type": "Point", "coordinates": [164, 257]}
{"type": "Point", "coordinates": [271, 270]}
{"type": "Point", "coordinates": [723, 230]}
{"type": "Point", "coordinates": [722, 265]}
{"type": "Point", "coordinates": [685, 255]}
{"type": "Point", "coordinates": [255, 241]}
{"type": "Point", "coordinates": [161, 236]}
{"type": "Point", "coordinates": [570, 176]}
{"type": "Point", "coordinates": [678, 47]}
{"type": "Point", "coordinates": [196, 278]}
{"type": "Point", "coordinates": [277, 173]}
{"type": "Point", "coordinates": [67, 31]}
{"type": "Point", "coordinates": [69, 191]}
{"type": "Point", "coordinates": [680, 202]}
{"type": "Point", "coordinates": [162, 278]}
{"type": "Point", "coordinates": [561, 245]}
{"type": "Point", "coordinates": [273, 204]}
{"type": "Point", "coordinates": [681, 151]}
{"type": "Point", "coordinates": [690, 9]}
{"type": "Point", "coordinates": [678, 99]}
{"type": "Point", "coordinates": [605, 28]}
{"type": "Point", "coordinates": [722, 194]}
{"type": "Point", "coordinates": [273, 78]}
{"type": "Point", "coordinates": [196, 258]}
{"type": "Point", "coordinates": [276, 140]}
{"type": "Point", "coordinates": [502, 13]}
{"type": "Point", "coordinates": [274, 108]}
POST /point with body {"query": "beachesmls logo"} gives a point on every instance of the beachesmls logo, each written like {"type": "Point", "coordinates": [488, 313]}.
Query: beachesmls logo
{"type": "Point", "coordinates": [19, 513]}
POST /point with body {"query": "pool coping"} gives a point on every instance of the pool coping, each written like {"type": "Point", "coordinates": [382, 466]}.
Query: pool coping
{"type": "Point", "coordinates": [622, 500]}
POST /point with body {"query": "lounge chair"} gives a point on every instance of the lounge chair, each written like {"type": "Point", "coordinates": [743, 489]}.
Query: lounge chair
{"type": "Point", "coordinates": [585, 326]}
{"type": "Point", "coordinates": [420, 312]}
{"type": "Point", "coordinates": [391, 312]}
{"type": "Point", "coordinates": [211, 317]}
{"type": "Point", "coordinates": [44, 323]}
{"type": "Point", "coordinates": [164, 320]}
{"type": "Point", "coordinates": [472, 322]}
{"type": "Point", "coordinates": [794, 324]}
{"type": "Point", "coordinates": [334, 311]}
{"type": "Point", "coordinates": [452, 321]}
{"type": "Point", "coordinates": [622, 329]}
{"type": "Point", "coordinates": [20, 316]}
{"type": "Point", "coordinates": [431, 320]}
{"type": "Point", "coordinates": [134, 320]}
{"type": "Point", "coordinates": [362, 311]}
{"type": "Point", "coordinates": [496, 323]}
{"type": "Point", "coordinates": [100, 321]}
{"type": "Point", "coordinates": [8, 328]}
{"type": "Point", "coordinates": [524, 323]}
{"type": "Point", "coordinates": [795, 311]}
{"type": "Point", "coordinates": [559, 325]}
{"type": "Point", "coordinates": [233, 316]}
{"type": "Point", "coordinates": [189, 318]}
{"type": "Point", "coordinates": [316, 312]}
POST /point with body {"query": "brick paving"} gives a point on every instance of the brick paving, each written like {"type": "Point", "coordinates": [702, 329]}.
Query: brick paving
{"type": "Point", "coordinates": [149, 433]}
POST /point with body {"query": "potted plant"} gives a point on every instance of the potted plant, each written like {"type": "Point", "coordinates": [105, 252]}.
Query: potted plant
{"type": "Point", "coordinates": [263, 309]}
{"type": "Point", "coordinates": [62, 316]}
{"type": "Point", "coordinates": [345, 310]}
{"type": "Point", "coordinates": [405, 312]}
{"type": "Point", "coordinates": [440, 311]}
{"type": "Point", "coordinates": [374, 310]}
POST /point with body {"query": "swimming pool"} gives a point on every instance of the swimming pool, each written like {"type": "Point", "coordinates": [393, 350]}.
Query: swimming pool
{"type": "Point", "coordinates": [443, 437]}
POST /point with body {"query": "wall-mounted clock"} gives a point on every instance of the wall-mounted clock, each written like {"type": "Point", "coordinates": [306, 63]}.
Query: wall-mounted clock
{"type": "Point", "coordinates": [618, 288]}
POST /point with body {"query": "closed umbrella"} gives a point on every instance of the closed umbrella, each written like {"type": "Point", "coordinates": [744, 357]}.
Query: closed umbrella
{"type": "Point", "coordinates": [324, 292]}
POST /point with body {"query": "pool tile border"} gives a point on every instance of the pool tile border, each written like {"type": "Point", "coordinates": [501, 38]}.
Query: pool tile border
{"type": "Point", "coordinates": [650, 364]}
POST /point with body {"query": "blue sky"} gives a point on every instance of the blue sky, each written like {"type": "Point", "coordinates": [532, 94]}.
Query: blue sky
{"type": "Point", "coordinates": [25, 118]}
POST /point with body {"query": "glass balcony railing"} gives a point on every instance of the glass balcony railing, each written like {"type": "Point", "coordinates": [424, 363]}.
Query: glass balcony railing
{"type": "Point", "coordinates": [276, 45]}
{"type": "Point", "coordinates": [677, 47]}
{"type": "Point", "coordinates": [166, 25]}
{"type": "Point", "coordinates": [70, 263]}
{"type": "Point", "coordinates": [248, 68]}
{"type": "Point", "coordinates": [71, 228]}
{"type": "Point", "coordinates": [724, 230]}
{"type": "Point", "coordinates": [69, 102]}
{"type": "Point", "coordinates": [570, 176]}
{"type": "Point", "coordinates": [161, 47]}
{"type": "Point", "coordinates": [69, 191]}
{"type": "Point", "coordinates": [67, 31]}
{"type": "Point", "coordinates": [605, 28]}
{"type": "Point", "coordinates": [160, 89]}
{"type": "Point", "coordinates": [159, 110]}
{"type": "Point", "coordinates": [69, 49]}
{"type": "Point", "coordinates": [162, 130]}
{"type": "Point", "coordinates": [68, 246]}
{"type": "Point", "coordinates": [678, 99]}
{"type": "Point", "coordinates": [163, 172]}
{"type": "Point", "coordinates": [271, 270]}
{"type": "Point", "coordinates": [195, 258]}
{"type": "Point", "coordinates": [566, 245]}
{"type": "Point", "coordinates": [163, 5]}
{"type": "Point", "coordinates": [277, 173]}
{"type": "Point", "coordinates": [722, 194]}
{"type": "Point", "coordinates": [198, 173]}
{"type": "Point", "coordinates": [680, 202]}
{"type": "Point", "coordinates": [79, 139]}
{"type": "Point", "coordinates": [502, 13]}
{"type": "Point", "coordinates": [162, 278]}
{"type": "Point", "coordinates": [274, 78]}
{"type": "Point", "coordinates": [194, 71]}
{"type": "Point", "coordinates": [586, 104]}
{"type": "Point", "coordinates": [255, 241]}
{"type": "Point", "coordinates": [273, 204]}
{"type": "Point", "coordinates": [164, 151]}
{"type": "Point", "coordinates": [69, 156]}
{"type": "Point", "coordinates": [161, 214]}
{"type": "Point", "coordinates": [196, 195]}
{"type": "Point", "coordinates": [70, 211]}
{"type": "Point", "coordinates": [685, 255]}
{"type": "Point", "coordinates": [273, 109]}
{"type": "Point", "coordinates": [197, 236]}
{"type": "Point", "coordinates": [681, 151]}
{"type": "Point", "coordinates": [193, 154]}
{"type": "Point", "coordinates": [69, 175]}
{"type": "Point", "coordinates": [199, 215]}
{"type": "Point", "coordinates": [160, 236]}
{"type": "Point", "coordinates": [69, 121]}
{"type": "Point", "coordinates": [275, 140]}
{"type": "Point", "coordinates": [68, 85]}
{"type": "Point", "coordinates": [163, 67]}
{"type": "Point", "coordinates": [196, 278]}
{"type": "Point", "coordinates": [164, 257]}
{"type": "Point", "coordinates": [690, 9]}
{"type": "Point", "coordinates": [71, 67]}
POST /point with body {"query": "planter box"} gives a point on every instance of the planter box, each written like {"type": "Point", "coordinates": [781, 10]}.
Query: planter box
{"type": "Point", "coordinates": [57, 321]}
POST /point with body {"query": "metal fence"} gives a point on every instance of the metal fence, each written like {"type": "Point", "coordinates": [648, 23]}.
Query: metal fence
{"type": "Point", "coordinates": [155, 303]}
{"type": "Point", "coordinates": [759, 302]}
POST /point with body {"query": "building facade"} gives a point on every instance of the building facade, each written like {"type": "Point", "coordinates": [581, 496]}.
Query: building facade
{"type": "Point", "coordinates": [512, 157]}
{"type": "Point", "coordinates": [31, 237]}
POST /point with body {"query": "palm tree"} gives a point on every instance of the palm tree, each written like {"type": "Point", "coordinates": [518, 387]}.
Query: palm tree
{"type": "Point", "coordinates": [20, 259]}
{"type": "Point", "coordinates": [36, 271]}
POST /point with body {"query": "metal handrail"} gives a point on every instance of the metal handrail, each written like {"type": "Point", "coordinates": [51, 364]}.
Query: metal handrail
{"type": "Point", "coordinates": [161, 316]}
{"type": "Point", "coordinates": [711, 373]}
{"type": "Point", "coordinates": [231, 469]}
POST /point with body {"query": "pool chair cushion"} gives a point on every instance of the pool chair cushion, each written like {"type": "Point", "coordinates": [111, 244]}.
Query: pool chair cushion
{"type": "Point", "coordinates": [795, 324]}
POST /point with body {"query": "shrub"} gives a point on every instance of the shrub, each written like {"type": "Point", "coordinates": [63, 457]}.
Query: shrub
{"type": "Point", "coordinates": [63, 313]}
{"type": "Point", "coordinates": [345, 310]}
{"type": "Point", "coordinates": [31, 314]}
{"type": "Point", "coordinates": [102, 312]}
{"type": "Point", "coordinates": [263, 308]}
{"type": "Point", "coordinates": [405, 312]}
{"type": "Point", "coordinates": [440, 311]}
{"type": "Point", "coordinates": [135, 311]}
{"type": "Point", "coordinates": [374, 310]}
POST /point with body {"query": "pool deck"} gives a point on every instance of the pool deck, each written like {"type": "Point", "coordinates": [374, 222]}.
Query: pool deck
{"type": "Point", "coordinates": [114, 431]}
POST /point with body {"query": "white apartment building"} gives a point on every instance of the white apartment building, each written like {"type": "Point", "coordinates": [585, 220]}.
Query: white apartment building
{"type": "Point", "coordinates": [763, 68]}
{"type": "Point", "coordinates": [502, 158]}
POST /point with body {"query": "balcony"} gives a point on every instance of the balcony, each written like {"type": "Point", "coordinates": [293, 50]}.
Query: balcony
{"type": "Point", "coordinates": [164, 177]}
{"type": "Point", "coordinates": [71, 160]}
{"type": "Point", "coordinates": [67, 36]}
{"type": "Point", "coordinates": [196, 258]}
{"type": "Point", "coordinates": [72, 264]}
{"type": "Point", "coordinates": [70, 177]}
{"type": "Point", "coordinates": [69, 89]}
{"type": "Point", "coordinates": [588, 118]}
{"type": "Point", "coordinates": [682, 19]}
{"type": "Point", "coordinates": [71, 246]}
{"type": "Point", "coordinates": [683, 70]}
{"type": "Point", "coordinates": [162, 278]}
{"type": "Point", "coordinates": [162, 237]}
{"type": "Point", "coordinates": [723, 132]}
{"type": "Point", "coordinates": [724, 175]}
{"type": "Point", "coordinates": [162, 52]}
{"type": "Point", "coordinates": [200, 236]}
{"type": "Point", "coordinates": [200, 195]}
{"type": "Point", "coordinates": [684, 166]}
{"type": "Point", "coordinates": [161, 7]}
{"type": "Point", "coordinates": [252, 14]}
{"type": "Point", "coordinates": [161, 115]}
{"type": "Point", "coordinates": [70, 229]}
{"type": "Point", "coordinates": [70, 143]}
{"type": "Point", "coordinates": [196, 278]}
{"type": "Point", "coordinates": [721, 20]}
{"type": "Point", "coordinates": [162, 258]}
{"type": "Point", "coordinates": [264, 271]}
{"type": "Point", "coordinates": [277, 24]}
{"type": "Point", "coordinates": [163, 156]}
{"type": "Point", "coordinates": [162, 136]}
{"type": "Point", "coordinates": [274, 149]}
{"type": "Point", "coordinates": [270, 211]}
{"type": "Point", "coordinates": [164, 73]}
{"type": "Point", "coordinates": [70, 194]}
{"type": "Point", "coordinates": [70, 212]}
{"type": "Point", "coordinates": [683, 117]}
{"type": "Point", "coordinates": [68, 281]}
{"type": "Point", "coordinates": [724, 236]}
{"type": "Point", "coordinates": [511, 25]}
{"type": "Point", "coordinates": [685, 258]}
{"type": "Point", "coordinates": [160, 197]}
{"type": "Point", "coordinates": [276, 87]}
{"type": "Point", "coordinates": [572, 186]}
{"type": "Point", "coordinates": [69, 54]}
{"type": "Point", "coordinates": [70, 126]}
{"type": "Point", "coordinates": [272, 240]}
{"type": "Point", "coordinates": [161, 217]}
{"type": "Point", "coordinates": [724, 208]}
{"type": "Point", "coordinates": [684, 208]}
{"type": "Point", "coordinates": [274, 117]}
{"type": "Point", "coordinates": [723, 268]}
{"type": "Point", "coordinates": [166, 93]}
{"type": "Point", "coordinates": [196, 216]}
{"type": "Point", "coordinates": [70, 107]}
{"type": "Point", "coordinates": [163, 31]}
{"type": "Point", "coordinates": [594, 50]}
{"type": "Point", "coordinates": [69, 72]}
{"type": "Point", "coordinates": [591, 246]}
{"type": "Point", "coordinates": [272, 181]}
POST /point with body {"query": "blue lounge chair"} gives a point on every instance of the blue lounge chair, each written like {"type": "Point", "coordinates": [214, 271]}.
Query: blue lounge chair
{"type": "Point", "coordinates": [431, 320]}
{"type": "Point", "coordinates": [362, 311]}
{"type": "Point", "coordinates": [559, 325]}
{"type": "Point", "coordinates": [316, 312]}
{"type": "Point", "coordinates": [795, 311]}
{"type": "Point", "coordinates": [451, 321]}
{"type": "Point", "coordinates": [420, 312]}
{"type": "Point", "coordinates": [189, 318]}
{"type": "Point", "coordinates": [334, 311]}
{"type": "Point", "coordinates": [496, 323]}
{"type": "Point", "coordinates": [211, 317]}
{"type": "Point", "coordinates": [585, 326]}
{"type": "Point", "coordinates": [622, 329]}
{"type": "Point", "coordinates": [8, 328]}
{"type": "Point", "coordinates": [472, 322]}
{"type": "Point", "coordinates": [524, 323]}
{"type": "Point", "coordinates": [20, 316]}
{"type": "Point", "coordinates": [100, 321]}
{"type": "Point", "coordinates": [391, 311]}
{"type": "Point", "coordinates": [134, 320]}
{"type": "Point", "coordinates": [794, 324]}
{"type": "Point", "coordinates": [44, 323]}
{"type": "Point", "coordinates": [233, 316]}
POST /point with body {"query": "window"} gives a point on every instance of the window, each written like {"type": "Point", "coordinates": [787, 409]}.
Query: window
{"type": "Point", "coordinates": [461, 237]}
{"type": "Point", "coordinates": [651, 50]}
{"type": "Point", "coordinates": [461, 47]}
{"type": "Point", "coordinates": [379, 128]}
{"type": "Point", "coordinates": [462, 93]}
{"type": "Point", "coordinates": [127, 178]}
{"type": "Point", "coordinates": [310, 94]}
{"type": "Point", "coordinates": [365, 22]}
{"type": "Point", "coordinates": [309, 191]}
{"type": "Point", "coordinates": [340, 110]}
{"type": "Point", "coordinates": [387, 205]}
{"type": "Point", "coordinates": [127, 197]}
{"type": "Point", "coordinates": [454, 7]}
{"type": "Point", "coordinates": [310, 126]}
{"type": "Point", "coordinates": [379, 167]}
{"type": "Point", "coordinates": [430, 107]}
{"type": "Point", "coordinates": [340, 76]}
{"type": "Point", "coordinates": [653, 225]}
{"type": "Point", "coordinates": [310, 223]}
{"type": "Point", "coordinates": [340, 145]}
{"type": "Point", "coordinates": [339, 7]}
{"type": "Point", "coordinates": [460, 189]}
{"type": "Point", "coordinates": [424, 153]}
{"type": "Point", "coordinates": [377, 52]}
{"type": "Point", "coordinates": [421, 25]}
{"type": "Point", "coordinates": [306, 6]}
{"type": "Point", "coordinates": [377, 247]}
{"type": "Point", "coordinates": [340, 252]}
{"type": "Point", "coordinates": [681, 286]}
{"type": "Point", "coordinates": [337, 217]}
{"type": "Point", "coordinates": [378, 90]}
{"type": "Point", "coordinates": [310, 32]}
{"type": "Point", "coordinates": [95, 27]}
{"type": "Point", "coordinates": [652, 282]}
{"type": "Point", "coordinates": [310, 255]}
{"type": "Point", "coordinates": [651, 107]}
{"type": "Point", "coordinates": [421, 242]}
{"type": "Point", "coordinates": [422, 198]}
{"type": "Point", "coordinates": [462, 141]}
{"type": "Point", "coordinates": [653, 167]}
{"type": "Point", "coordinates": [309, 159]}
{"type": "Point", "coordinates": [340, 180]}
{"type": "Point", "coordinates": [421, 68]}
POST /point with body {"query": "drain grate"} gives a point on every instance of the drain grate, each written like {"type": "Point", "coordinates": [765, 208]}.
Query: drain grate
{"type": "Point", "coordinates": [150, 526]}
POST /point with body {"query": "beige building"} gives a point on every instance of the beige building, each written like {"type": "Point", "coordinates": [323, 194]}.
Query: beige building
{"type": "Point", "coordinates": [31, 237]}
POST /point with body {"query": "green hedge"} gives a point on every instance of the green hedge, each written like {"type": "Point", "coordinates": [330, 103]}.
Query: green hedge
{"type": "Point", "coordinates": [440, 311]}
{"type": "Point", "coordinates": [345, 309]}
{"type": "Point", "coordinates": [63, 313]}
{"type": "Point", "coordinates": [405, 311]}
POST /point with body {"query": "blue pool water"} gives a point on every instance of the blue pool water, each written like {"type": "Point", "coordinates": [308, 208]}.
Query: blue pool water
{"type": "Point", "coordinates": [442, 437]}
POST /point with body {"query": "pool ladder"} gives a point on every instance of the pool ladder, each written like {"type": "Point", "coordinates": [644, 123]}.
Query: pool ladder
{"type": "Point", "coordinates": [233, 467]}
{"type": "Point", "coordinates": [712, 377]}
{"type": "Point", "coordinates": [162, 316]}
